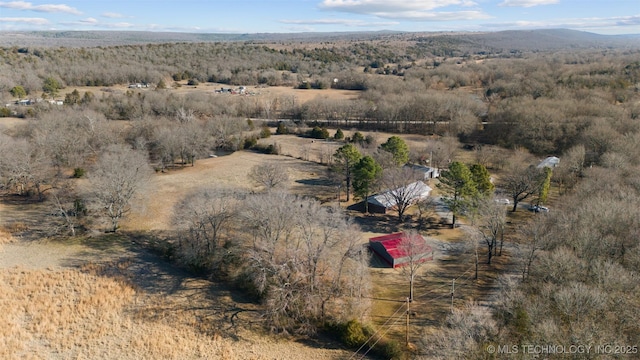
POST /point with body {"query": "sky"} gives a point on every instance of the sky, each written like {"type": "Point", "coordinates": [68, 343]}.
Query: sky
{"type": "Point", "coordinates": [288, 16]}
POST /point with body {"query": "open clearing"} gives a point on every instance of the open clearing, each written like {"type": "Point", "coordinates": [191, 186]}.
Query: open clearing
{"type": "Point", "coordinates": [301, 95]}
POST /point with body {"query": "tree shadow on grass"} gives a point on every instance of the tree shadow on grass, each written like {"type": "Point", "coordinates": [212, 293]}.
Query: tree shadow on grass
{"type": "Point", "coordinates": [168, 291]}
{"type": "Point", "coordinates": [376, 223]}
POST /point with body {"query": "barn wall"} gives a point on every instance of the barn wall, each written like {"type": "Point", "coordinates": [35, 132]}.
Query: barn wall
{"type": "Point", "coordinates": [381, 251]}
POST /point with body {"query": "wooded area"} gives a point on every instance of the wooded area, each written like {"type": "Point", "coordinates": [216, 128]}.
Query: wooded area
{"type": "Point", "coordinates": [571, 273]}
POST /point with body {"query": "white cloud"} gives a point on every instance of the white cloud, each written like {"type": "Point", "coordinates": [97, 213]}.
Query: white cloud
{"type": "Point", "coordinates": [345, 22]}
{"type": "Point", "coordinates": [527, 3]}
{"type": "Point", "coordinates": [48, 8]}
{"type": "Point", "coordinates": [593, 24]}
{"type": "Point", "coordinates": [113, 15]}
{"type": "Point", "coordinates": [32, 21]}
{"type": "Point", "coordinates": [435, 16]}
{"type": "Point", "coordinates": [390, 6]}
{"type": "Point", "coordinates": [96, 23]}
{"type": "Point", "coordinates": [120, 25]}
{"type": "Point", "coordinates": [412, 10]}
{"type": "Point", "coordinates": [89, 21]}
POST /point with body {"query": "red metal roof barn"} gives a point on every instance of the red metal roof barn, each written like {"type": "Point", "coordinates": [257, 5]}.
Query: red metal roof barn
{"type": "Point", "coordinates": [398, 249]}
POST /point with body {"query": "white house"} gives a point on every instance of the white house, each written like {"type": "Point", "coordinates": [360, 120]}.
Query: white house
{"type": "Point", "coordinates": [387, 200]}
{"type": "Point", "coordinates": [549, 162]}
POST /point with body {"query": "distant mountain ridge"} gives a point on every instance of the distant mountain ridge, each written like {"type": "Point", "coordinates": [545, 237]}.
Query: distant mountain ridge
{"type": "Point", "coordinates": [522, 40]}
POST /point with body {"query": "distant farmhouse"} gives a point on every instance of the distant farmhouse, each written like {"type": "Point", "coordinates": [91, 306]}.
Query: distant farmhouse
{"type": "Point", "coordinates": [138, 86]}
{"type": "Point", "coordinates": [549, 162]}
{"type": "Point", "coordinates": [394, 249]}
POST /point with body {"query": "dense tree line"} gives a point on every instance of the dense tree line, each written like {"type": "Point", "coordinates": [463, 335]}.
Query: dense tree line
{"type": "Point", "coordinates": [544, 102]}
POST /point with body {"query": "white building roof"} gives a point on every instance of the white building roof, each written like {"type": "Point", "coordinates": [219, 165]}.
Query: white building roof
{"type": "Point", "coordinates": [414, 191]}
{"type": "Point", "coordinates": [549, 162]}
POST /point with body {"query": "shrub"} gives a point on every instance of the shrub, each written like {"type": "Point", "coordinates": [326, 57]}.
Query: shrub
{"type": "Point", "coordinates": [353, 334]}
{"type": "Point", "coordinates": [78, 172]}
{"type": "Point", "coordinates": [319, 133]}
{"type": "Point", "coordinates": [357, 138]}
{"type": "Point", "coordinates": [339, 135]}
{"type": "Point", "coordinates": [369, 139]}
{"type": "Point", "coordinates": [249, 143]}
{"type": "Point", "coordinates": [265, 132]}
{"type": "Point", "coordinates": [391, 349]}
{"type": "Point", "coordinates": [271, 149]}
{"type": "Point", "coordinates": [193, 82]}
{"type": "Point", "coordinates": [282, 129]}
{"type": "Point", "coordinates": [305, 85]}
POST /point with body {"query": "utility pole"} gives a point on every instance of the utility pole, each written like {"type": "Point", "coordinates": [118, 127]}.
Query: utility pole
{"type": "Point", "coordinates": [407, 327]}
{"type": "Point", "coordinates": [453, 288]}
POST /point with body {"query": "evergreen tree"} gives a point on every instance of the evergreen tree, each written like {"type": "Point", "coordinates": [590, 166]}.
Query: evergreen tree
{"type": "Point", "coordinates": [51, 86]}
{"type": "Point", "coordinates": [482, 179]}
{"type": "Point", "coordinates": [18, 91]}
{"type": "Point", "coordinates": [398, 148]}
{"type": "Point", "coordinates": [347, 156]}
{"type": "Point", "coordinates": [459, 187]}
{"type": "Point", "coordinates": [365, 175]}
{"type": "Point", "coordinates": [357, 138]}
{"type": "Point", "coordinates": [72, 98]}
{"type": "Point", "coordinates": [544, 188]}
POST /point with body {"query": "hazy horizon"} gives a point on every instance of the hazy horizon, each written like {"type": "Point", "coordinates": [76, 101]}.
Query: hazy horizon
{"type": "Point", "coordinates": [618, 17]}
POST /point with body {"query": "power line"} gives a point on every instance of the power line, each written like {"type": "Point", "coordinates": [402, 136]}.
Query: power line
{"type": "Point", "coordinates": [401, 317]}
{"type": "Point", "coordinates": [380, 338]}
{"type": "Point", "coordinates": [377, 331]}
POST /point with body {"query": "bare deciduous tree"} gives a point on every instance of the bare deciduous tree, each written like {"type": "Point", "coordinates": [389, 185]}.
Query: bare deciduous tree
{"type": "Point", "coordinates": [24, 166]}
{"type": "Point", "coordinates": [571, 167]}
{"type": "Point", "coordinates": [269, 175]}
{"type": "Point", "coordinates": [491, 225]}
{"type": "Point", "coordinates": [467, 332]}
{"type": "Point", "coordinates": [404, 189]}
{"type": "Point", "coordinates": [534, 238]}
{"type": "Point", "coordinates": [440, 152]}
{"type": "Point", "coordinates": [521, 181]}
{"type": "Point", "coordinates": [203, 219]}
{"type": "Point", "coordinates": [416, 252]}
{"type": "Point", "coordinates": [117, 177]}
{"type": "Point", "coordinates": [66, 205]}
{"type": "Point", "coordinates": [300, 258]}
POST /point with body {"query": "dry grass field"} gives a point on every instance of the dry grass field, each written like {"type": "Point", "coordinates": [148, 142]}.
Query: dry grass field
{"type": "Point", "coordinates": [301, 95]}
{"type": "Point", "coordinates": [82, 314]}
{"type": "Point", "coordinates": [229, 171]}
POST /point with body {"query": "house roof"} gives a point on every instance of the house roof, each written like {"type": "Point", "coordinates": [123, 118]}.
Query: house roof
{"type": "Point", "coordinates": [549, 162]}
{"type": "Point", "coordinates": [391, 244]}
{"type": "Point", "coordinates": [416, 190]}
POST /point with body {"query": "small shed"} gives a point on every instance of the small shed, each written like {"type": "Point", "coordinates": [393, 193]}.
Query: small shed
{"type": "Point", "coordinates": [426, 171]}
{"type": "Point", "coordinates": [398, 250]}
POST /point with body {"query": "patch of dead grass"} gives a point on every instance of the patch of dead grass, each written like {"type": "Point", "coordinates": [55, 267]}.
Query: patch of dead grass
{"type": "Point", "coordinates": [70, 314]}
{"type": "Point", "coordinates": [5, 237]}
